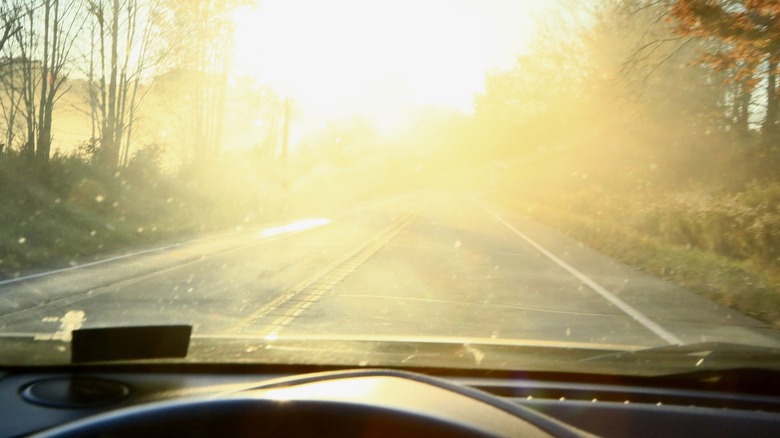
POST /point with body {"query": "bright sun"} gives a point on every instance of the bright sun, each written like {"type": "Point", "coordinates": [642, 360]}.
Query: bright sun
{"type": "Point", "coordinates": [378, 58]}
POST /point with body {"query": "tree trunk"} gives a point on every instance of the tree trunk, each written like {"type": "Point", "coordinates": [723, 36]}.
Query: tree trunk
{"type": "Point", "coordinates": [109, 150]}
{"type": "Point", "coordinates": [770, 120]}
{"type": "Point", "coordinates": [741, 107]}
{"type": "Point", "coordinates": [43, 142]}
{"type": "Point", "coordinates": [44, 133]}
{"type": "Point", "coordinates": [91, 88]}
{"type": "Point", "coordinates": [29, 104]}
{"type": "Point", "coordinates": [29, 91]}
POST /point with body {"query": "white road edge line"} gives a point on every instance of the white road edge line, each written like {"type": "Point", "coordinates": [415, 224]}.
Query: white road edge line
{"type": "Point", "coordinates": [151, 250]}
{"type": "Point", "coordinates": [97, 262]}
{"type": "Point", "coordinates": [620, 304]}
{"type": "Point", "coordinates": [162, 248]}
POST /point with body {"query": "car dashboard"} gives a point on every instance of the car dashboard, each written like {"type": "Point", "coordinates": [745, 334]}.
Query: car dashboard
{"type": "Point", "coordinates": [265, 400]}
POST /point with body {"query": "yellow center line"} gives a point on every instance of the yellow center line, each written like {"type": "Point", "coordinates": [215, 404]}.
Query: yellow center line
{"type": "Point", "coordinates": [328, 278]}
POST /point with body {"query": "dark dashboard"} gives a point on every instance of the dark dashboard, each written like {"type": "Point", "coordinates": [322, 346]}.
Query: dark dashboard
{"type": "Point", "coordinates": [242, 400]}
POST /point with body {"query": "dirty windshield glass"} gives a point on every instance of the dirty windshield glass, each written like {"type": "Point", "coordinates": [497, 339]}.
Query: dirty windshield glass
{"type": "Point", "coordinates": [453, 183]}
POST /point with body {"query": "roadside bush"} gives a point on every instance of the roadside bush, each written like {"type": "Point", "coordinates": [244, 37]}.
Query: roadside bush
{"type": "Point", "coordinates": [741, 226]}
{"type": "Point", "coordinates": [725, 246]}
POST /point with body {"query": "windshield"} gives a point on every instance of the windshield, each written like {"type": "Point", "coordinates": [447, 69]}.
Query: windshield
{"type": "Point", "coordinates": [450, 183]}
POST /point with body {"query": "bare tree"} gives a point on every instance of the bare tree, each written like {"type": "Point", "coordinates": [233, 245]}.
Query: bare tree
{"type": "Point", "coordinates": [48, 30]}
{"type": "Point", "coordinates": [199, 33]}
{"type": "Point", "coordinates": [120, 55]}
{"type": "Point", "coordinates": [10, 25]}
{"type": "Point", "coordinates": [61, 25]}
{"type": "Point", "coordinates": [10, 100]}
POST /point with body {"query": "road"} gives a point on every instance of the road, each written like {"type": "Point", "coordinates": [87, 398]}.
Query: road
{"type": "Point", "coordinates": [430, 265]}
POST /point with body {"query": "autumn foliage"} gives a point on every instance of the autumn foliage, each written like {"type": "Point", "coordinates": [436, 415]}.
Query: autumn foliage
{"type": "Point", "coordinates": [744, 42]}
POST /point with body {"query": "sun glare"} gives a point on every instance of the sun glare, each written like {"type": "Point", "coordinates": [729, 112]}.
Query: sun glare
{"type": "Point", "coordinates": [376, 58]}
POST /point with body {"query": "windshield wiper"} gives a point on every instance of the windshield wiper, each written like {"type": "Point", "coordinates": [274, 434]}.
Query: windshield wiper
{"type": "Point", "coordinates": [696, 357]}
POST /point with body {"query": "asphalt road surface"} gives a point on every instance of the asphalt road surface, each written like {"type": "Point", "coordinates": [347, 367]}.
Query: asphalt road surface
{"type": "Point", "coordinates": [446, 264]}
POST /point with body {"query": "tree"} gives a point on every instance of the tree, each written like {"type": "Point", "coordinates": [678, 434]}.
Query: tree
{"type": "Point", "coordinates": [616, 93]}
{"type": "Point", "coordinates": [11, 98]}
{"type": "Point", "coordinates": [122, 47]}
{"type": "Point", "coordinates": [10, 25]}
{"type": "Point", "coordinates": [199, 34]}
{"type": "Point", "coordinates": [48, 30]}
{"type": "Point", "coordinates": [747, 47]}
{"type": "Point", "coordinates": [61, 25]}
{"type": "Point", "coordinates": [543, 92]}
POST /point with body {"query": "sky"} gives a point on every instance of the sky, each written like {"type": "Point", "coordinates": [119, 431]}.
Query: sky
{"type": "Point", "coordinates": [378, 58]}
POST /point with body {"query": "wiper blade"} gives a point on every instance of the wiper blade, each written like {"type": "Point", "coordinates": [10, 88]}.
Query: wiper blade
{"type": "Point", "coordinates": [699, 356]}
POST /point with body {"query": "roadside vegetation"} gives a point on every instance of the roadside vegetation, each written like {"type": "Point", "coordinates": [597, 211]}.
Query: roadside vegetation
{"type": "Point", "coordinates": [122, 126]}
{"type": "Point", "coordinates": [68, 210]}
{"type": "Point", "coordinates": [723, 247]}
{"type": "Point", "coordinates": [655, 140]}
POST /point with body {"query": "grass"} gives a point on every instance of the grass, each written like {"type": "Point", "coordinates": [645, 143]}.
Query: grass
{"type": "Point", "coordinates": [68, 211]}
{"type": "Point", "coordinates": [722, 246]}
